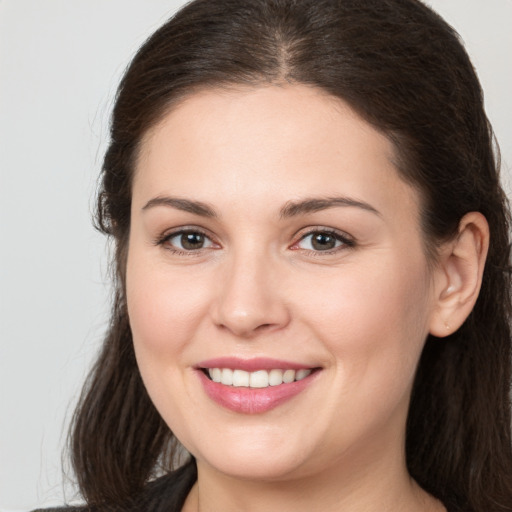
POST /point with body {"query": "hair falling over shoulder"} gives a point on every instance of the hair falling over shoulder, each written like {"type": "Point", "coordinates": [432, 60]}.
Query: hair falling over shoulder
{"type": "Point", "coordinates": [404, 70]}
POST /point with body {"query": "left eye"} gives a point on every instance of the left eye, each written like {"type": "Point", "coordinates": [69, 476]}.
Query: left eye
{"type": "Point", "coordinates": [321, 241]}
{"type": "Point", "coordinates": [189, 241]}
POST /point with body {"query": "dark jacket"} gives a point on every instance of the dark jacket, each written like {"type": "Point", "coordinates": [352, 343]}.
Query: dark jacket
{"type": "Point", "coordinates": [166, 494]}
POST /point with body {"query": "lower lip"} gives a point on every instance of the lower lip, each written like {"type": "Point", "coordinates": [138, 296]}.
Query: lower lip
{"type": "Point", "coordinates": [253, 400]}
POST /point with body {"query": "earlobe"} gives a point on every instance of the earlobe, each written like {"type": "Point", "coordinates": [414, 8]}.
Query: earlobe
{"type": "Point", "coordinates": [459, 275]}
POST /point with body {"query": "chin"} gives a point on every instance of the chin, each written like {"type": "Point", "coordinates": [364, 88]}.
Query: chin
{"type": "Point", "coordinates": [266, 468]}
{"type": "Point", "coordinates": [253, 458]}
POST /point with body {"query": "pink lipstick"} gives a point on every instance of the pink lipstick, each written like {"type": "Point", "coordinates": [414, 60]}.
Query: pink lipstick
{"type": "Point", "coordinates": [253, 386]}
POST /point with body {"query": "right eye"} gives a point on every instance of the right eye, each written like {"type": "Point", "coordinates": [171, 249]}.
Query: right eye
{"type": "Point", "coordinates": [187, 241]}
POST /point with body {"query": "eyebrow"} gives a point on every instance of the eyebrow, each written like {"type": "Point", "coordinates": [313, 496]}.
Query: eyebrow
{"type": "Point", "coordinates": [186, 205]}
{"type": "Point", "coordinates": [290, 209]}
{"type": "Point", "coordinates": [310, 205]}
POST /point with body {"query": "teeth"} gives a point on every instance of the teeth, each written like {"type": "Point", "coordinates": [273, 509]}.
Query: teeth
{"type": "Point", "coordinates": [227, 377]}
{"type": "Point", "coordinates": [240, 378]}
{"type": "Point", "coordinates": [258, 379]}
{"type": "Point", "coordinates": [302, 374]}
{"type": "Point", "coordinates": [275, 377]}
{"type": "Point", "coordinates": [288, 376]}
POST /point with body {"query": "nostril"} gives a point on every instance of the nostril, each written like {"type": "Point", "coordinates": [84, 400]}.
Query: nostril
{"type": "Point", "coordinates": [247, 316]}
{"type": "Point", "coordinates": [262, 327]}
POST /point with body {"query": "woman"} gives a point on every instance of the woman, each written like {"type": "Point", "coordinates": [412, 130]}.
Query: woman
{"type": "Point", "coordinates": [312, 264]}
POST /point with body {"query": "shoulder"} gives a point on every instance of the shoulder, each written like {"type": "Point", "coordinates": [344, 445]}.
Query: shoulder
{"type": "Point", "coordinates": [165, 494]}
{"type": "Point", "coordinates": [63, 509]}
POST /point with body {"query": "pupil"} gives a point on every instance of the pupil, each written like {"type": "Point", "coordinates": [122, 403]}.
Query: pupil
{"type": "Point", "coordinates": [192, 240]}
{"type": "Point", "coordinates": [323, 242]}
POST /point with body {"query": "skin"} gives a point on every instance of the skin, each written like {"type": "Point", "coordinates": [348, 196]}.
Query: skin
{"type": "Point", "coordinates": [258, 288]}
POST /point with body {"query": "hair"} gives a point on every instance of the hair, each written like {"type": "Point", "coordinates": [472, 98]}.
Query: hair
{"type": "Point", "coordinates": [404, 70]}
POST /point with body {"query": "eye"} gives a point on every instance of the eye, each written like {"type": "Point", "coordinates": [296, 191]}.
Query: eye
{"type": "Point", "coordinates": [187, 241]}
{"type": "Point", "coordinates": [323, 241]}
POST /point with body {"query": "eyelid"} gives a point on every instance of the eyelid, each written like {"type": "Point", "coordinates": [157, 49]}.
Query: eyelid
{"type": "Point", "coordinates": [169, 234]}
{"type": "Point", "coordinates": [347, 241]}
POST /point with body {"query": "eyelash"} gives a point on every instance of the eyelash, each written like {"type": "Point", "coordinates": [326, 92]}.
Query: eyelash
{"type": "Point", "coordinates": [163, 241]}
{"type": "Point", "coordinates": [346, 241]}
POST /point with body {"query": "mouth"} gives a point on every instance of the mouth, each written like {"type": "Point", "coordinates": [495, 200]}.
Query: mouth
{"type": "Point", "coordinates": [256, 385]}
{"type": "Point", "coordinates": [257, 379]}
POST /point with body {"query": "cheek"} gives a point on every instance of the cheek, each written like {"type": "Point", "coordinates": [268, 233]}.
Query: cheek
{"type": "Point", "coordinates": [165, 307]}
{"type": "Point", "coordinates": [374, 324]}
{"type": "Point", "coordinates": [388, 298]}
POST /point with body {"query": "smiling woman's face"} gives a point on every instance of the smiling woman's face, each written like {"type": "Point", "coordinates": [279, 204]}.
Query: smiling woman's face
{"type": "Point", "coordinates": [272, 239]}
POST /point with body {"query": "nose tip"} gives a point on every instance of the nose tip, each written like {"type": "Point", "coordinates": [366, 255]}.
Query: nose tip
{"type": "Point", "coordinates": [249, 303]}
{"type": "Point", "coordinates": [244, 323]}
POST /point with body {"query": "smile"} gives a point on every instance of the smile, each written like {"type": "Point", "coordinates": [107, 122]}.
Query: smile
{"type": "Point", "coordinates": [254, 386]}
{"type": "Point", "coordinates": [258, 379]}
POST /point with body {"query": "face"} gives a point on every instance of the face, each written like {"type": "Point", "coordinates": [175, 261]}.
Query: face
{"type": "Point", "coordinates": [277, 285]}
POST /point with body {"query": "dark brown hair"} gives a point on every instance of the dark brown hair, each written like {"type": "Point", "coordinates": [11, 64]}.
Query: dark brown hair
{"type": "Point", "coordinates": [405, 71]}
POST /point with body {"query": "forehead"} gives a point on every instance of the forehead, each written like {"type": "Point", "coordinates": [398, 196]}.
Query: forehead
{"type": "Point", "coordinates": [271, 143]}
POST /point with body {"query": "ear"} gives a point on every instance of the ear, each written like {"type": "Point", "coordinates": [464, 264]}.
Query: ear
{"type": "Point", "coordinates": [458, 275]}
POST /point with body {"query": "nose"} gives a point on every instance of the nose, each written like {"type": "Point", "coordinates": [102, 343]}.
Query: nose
{"type": "Point", "coordinates": [251, 298]}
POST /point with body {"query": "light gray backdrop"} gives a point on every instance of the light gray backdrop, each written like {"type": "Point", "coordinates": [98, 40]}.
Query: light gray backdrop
{"type": "Point", "coordinates": [60, 61]}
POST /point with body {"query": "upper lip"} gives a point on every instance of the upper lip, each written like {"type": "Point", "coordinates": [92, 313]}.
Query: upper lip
{"type": "Point", "coordinates": [252, 365]}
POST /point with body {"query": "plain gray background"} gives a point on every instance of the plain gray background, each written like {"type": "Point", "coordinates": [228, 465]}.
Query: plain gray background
{"type": "Point", "coordinates": [60, 62]}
